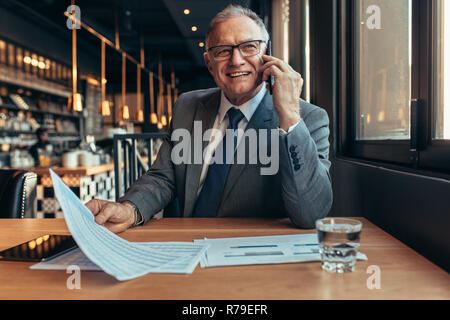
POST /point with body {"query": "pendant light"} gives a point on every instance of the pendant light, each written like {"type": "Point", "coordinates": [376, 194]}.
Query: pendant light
{"type": "Point", "coordinates": [161, 108]}
{"type": "Point", "coordinates": [74, 102]}
{"type": "Point", "coordinates": [153, 116]}
{"type": "Point", "coordinates": [169, 101]}
{"type": "Point", "coordinates": [172, 87]}
{"type": "Point", "coordinates": [175, 95]}
{"type": "Point", "coordinates": [104, 107]}
{"type": "Point", "coordinates": [125, 110]}
{"type": "Point", "coordinates": [140, 112]}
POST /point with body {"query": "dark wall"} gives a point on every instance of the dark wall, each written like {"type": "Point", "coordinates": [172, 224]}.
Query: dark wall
{"type": "Point", "coordinates": [413, 208]}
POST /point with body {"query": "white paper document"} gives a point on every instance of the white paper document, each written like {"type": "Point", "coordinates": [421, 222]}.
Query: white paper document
{"type": "Point", "coordinates": [118, 257]}
{"type": "Point", "coordinates": [261, 250]}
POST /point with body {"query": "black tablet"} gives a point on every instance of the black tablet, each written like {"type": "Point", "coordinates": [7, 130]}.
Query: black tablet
{"type": "Point", "coordinates": [39, 249]}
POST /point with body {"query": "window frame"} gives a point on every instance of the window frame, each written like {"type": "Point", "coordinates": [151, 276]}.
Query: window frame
{"type": "Point", "coordinates": [431, 155]}
{"type": "Point", "coordinates": [436, 153]}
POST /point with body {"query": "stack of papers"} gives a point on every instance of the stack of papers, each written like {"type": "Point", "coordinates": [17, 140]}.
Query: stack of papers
{"type": "Point", "coordinates": [118, 257]}
{"type": "Point", "coordinates": [261, 250]}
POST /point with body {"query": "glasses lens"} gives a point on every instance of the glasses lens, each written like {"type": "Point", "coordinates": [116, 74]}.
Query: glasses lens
{"type": "Point", "coordinates": [222, 52]}
{"type": "Point", "coordinates": [247, 49]}
{"type": "Point", "coordinates": [250, 48]}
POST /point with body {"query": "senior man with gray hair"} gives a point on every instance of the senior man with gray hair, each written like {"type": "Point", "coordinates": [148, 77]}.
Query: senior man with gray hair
{"type": "Point", "coordinates": [236, 44]}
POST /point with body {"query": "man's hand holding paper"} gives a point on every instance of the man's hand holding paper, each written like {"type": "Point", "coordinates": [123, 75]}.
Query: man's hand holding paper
{"type": "Point", "coordinates": [117, 217]}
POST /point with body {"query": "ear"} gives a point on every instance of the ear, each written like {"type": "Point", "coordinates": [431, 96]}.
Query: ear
{"type": "Point", "coordinates": [207, 61]}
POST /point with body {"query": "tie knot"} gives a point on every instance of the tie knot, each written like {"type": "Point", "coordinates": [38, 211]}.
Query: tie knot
{"type": "Point", "coordinates": [235, 115]}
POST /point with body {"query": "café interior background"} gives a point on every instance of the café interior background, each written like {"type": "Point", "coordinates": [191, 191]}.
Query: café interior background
{"type": "Point", "coordinates": [384, 84]}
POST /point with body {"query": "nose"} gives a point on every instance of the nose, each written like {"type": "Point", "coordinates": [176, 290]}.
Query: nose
{"type": "Point", "coordinates": [237, 58]}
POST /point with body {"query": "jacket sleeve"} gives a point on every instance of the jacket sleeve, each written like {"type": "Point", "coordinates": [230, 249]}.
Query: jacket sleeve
{"type": "Point", "coordinates": [154, 190]}
{"type": "Point", "coordinates": [304, 166]}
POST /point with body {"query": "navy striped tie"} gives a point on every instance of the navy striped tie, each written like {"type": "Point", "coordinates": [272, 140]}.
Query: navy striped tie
{"type": "Point", "coordinates": [208, 201]}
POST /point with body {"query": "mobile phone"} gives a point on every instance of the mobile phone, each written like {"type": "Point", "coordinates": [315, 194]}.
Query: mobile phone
{"type": "Point", "coordinates": [39, 249]}
{"type": "Point", "coordinates": [269, 53]}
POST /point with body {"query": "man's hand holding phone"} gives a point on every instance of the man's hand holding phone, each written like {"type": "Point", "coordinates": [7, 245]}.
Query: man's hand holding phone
{"type": "Point", "coordinates": [286, 89]}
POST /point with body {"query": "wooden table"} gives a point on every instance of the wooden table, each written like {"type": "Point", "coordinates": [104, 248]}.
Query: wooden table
{"type": "Point", "coordinates": [404, 273]}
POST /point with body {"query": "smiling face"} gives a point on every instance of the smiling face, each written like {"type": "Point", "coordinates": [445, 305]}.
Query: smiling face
{"type": "Point", "coordinates": [238, 77]}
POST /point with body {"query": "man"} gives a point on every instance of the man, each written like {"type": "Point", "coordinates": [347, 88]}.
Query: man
{"type": "Point", "coordinates": [42, 143]}
{"type": "Point", "coordinates": [301, 189]}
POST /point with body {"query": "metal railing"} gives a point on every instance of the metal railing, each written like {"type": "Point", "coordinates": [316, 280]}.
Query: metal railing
{"type": "Point", "coordinates": [133, 156]}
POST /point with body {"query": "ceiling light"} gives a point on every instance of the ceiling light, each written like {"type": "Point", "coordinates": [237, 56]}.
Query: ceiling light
{"type": "Point", "coordinates": [186, 11]}
{"type": "Point", "coordinates": [153, 118]}
{"type": "Point", "coordinates": [140, 116]}
{"type": "Point", "coordinates": [105, 108]}
{"type": "Point", "coordinates": [125, 112]}
{"type": "Point", "coordinates": [201, 44]}
{"type": "Point", "coordinates": [194, 28]}
{"type": "Point", "coordinates": [75, 103]}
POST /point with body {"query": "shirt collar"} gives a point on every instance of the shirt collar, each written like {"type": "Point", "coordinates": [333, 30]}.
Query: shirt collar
{"type": "Point", "coordinates": [248, 108]}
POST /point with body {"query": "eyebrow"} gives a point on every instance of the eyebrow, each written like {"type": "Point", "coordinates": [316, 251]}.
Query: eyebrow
{"type": "Point", "coordinates": [229, 44]}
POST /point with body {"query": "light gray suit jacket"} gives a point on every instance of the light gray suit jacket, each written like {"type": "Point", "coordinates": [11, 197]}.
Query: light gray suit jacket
{"type": "Point", "coordinates": [300, 190]}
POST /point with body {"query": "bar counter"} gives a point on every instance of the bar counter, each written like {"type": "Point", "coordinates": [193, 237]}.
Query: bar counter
{"type": "Point", "coordinates": [86, 182]}
{"type": "Point", "coordinates": [85, 171]}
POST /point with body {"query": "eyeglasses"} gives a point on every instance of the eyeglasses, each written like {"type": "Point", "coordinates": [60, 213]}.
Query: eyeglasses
{"type": "Point", "coordinates": [247, 49]}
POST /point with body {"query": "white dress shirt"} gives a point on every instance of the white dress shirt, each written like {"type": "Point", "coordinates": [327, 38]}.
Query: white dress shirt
{"type": "Point", "coordinates": [221, 124]}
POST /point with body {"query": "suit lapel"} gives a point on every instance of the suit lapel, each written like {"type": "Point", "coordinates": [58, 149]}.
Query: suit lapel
{"type": "Point", "coordinates": [265, 117]}
{"type": "Point", "coordinates": [206, 113]}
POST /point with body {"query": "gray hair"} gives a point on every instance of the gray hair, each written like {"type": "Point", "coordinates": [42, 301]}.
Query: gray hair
{"type": "Point", "coordinates": [232, 11]}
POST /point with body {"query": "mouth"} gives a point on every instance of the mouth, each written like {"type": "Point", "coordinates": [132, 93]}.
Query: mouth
{"type": "Point", "coordinates": [238, 74]}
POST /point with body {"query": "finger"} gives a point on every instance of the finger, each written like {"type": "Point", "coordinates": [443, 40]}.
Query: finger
{"type": "Point", "coordinates": [272, 70]}
{"type": "Point", "coordinates": [280, 64]}
{"type": "Point", "coordinates": [115, 227]}
{"type": "Point", "coordinates": [267, 58]}
{"type": "Point", "coordinates": [106, 213]}
{"type": "Point", "coordinates": [95, 205]}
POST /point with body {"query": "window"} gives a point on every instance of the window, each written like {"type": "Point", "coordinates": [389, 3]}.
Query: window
{"type": "Point", "coordinates": [442, 67]}
{"type": "Point", "coordinates": [397, 92]}
{"type": "Point", "coordinates": [383, 70]}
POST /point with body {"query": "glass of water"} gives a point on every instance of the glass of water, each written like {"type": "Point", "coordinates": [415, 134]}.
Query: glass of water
{"type": "Point", "coordinates": [338, 243]}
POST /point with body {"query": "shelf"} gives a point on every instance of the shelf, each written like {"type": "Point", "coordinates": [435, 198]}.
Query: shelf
{"type": "Point", "coordinates": [136, 123]}
{"type": "Point", "coordinates": [60, 114]}
{"type": "Point", "coordinates": [36, 84]}
{"type": "Point", "coordinates": [50, 134]}
{"type": "Point", "coordinates": [63, 134]}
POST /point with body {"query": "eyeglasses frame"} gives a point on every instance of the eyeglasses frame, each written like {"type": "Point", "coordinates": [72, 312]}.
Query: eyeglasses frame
{"type": "Point", "coordinates": [236, 46]}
